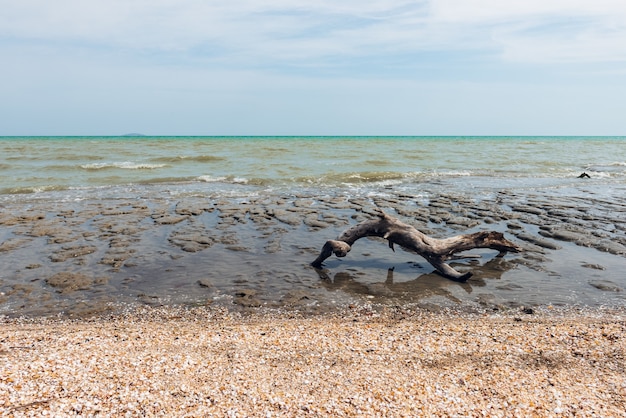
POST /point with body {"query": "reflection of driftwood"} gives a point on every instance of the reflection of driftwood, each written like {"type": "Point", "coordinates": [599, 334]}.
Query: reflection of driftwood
{"type": "Point", "coordinates": [435, 251]}
{"type": "Point", "coordinates": [420, 288]}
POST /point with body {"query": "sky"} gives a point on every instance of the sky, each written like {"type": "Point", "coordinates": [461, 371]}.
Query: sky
{"type": "Point", "coordinates": [313, 67]}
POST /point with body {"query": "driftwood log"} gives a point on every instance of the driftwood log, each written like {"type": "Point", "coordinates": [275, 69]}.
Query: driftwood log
{"type": "Point", "coordinates": [435, 251]}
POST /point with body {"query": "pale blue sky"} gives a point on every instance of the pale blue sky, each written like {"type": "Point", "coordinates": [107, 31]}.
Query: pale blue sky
{"type": "Point", "coordinates": [313, 67]}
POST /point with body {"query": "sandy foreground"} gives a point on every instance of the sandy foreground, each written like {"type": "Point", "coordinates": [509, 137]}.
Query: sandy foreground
{"type": "Point", "coordinates": [360, 362]}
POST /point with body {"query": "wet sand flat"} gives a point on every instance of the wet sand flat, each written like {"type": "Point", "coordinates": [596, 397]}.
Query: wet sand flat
{"type": "Point", "coordinates": [83, 257]}
{"type": "Point", "coordinates": [357, 362]}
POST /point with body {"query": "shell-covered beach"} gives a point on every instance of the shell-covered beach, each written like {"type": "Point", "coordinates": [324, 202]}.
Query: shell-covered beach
{"type": "Point", "coordinates": [357, 362]}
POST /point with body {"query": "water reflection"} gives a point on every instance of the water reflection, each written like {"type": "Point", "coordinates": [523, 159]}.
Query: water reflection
{"type": "Point", "coordinates": [422, 287]}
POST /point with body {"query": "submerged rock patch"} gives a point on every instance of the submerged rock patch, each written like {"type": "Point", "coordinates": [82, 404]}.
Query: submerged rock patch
{"type": "Point", "coordinates": [69, 282]}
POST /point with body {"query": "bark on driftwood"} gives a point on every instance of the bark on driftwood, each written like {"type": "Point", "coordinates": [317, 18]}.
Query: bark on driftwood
{"type": "Point", "coordinates": [435, 251]}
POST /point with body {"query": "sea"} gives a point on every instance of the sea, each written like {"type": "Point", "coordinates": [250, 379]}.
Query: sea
{"type": "Point", "coordinates": [91, 168]}
{"type": "Point", "coordinates": [71, 167]}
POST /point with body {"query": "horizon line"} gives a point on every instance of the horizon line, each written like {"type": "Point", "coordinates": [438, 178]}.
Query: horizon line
{"type": "Point", "coordinates": [138, 135]}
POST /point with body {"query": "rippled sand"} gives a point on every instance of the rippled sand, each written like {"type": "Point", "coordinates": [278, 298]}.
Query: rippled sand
{"type": "Point", "coordinates": [358, 362]}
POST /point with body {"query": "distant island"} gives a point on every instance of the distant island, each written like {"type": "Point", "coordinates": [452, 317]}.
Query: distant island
{"type": "Point", "coordinates": [133, 134]}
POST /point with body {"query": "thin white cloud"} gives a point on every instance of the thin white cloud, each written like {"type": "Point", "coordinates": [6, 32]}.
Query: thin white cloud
{"type": "Point", "coordinates": [247, 32]}
{"type": "Point", "coordinates": [498, 11]}
{"type": "Point", "coordinates": [536, 31]}
{"type": "Point", "coordinates": [588, 45]}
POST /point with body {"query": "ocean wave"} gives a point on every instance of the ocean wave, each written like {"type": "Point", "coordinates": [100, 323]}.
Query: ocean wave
{"type": "Point", "coordinates": [32, 189]}
{"type": "Point", "coordinates": [192, 158]}
{"type": "Point", "coordinates": [449, 173]}
{"type": "Point", "coordinates": [82, 157]}
{"type": "Point", "coordinates": [223, 179]}
{"type": "Point", "coordinates": [126, 165]}
{"type": "Point", "coordinates": [159, 180]}
{"type": "Point", "coordinates": [253, 181]}
{"type": "Point", "coordinates": [352, 178]}
{"type": "Point", "coordinates": [608, 169]}
{"type": "Point", "coordinates": [617, 164]}
{"type": "Point", "coordinates": [379, 177]}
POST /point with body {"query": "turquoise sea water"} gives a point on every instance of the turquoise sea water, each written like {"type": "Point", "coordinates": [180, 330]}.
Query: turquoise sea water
{"type": "Point", "coordinates": [79, 165]}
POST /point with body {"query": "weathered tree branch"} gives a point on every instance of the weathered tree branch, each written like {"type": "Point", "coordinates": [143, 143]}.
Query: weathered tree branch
{"type": "Point", "coordinates": [435, 251]}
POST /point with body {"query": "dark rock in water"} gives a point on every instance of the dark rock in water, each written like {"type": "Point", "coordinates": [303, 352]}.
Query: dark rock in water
{"type": "Point", "coordinates": [152, 300]}
{"type": "Point", "coordinates": [296, 297]}
{"type": "Point", "coordinates": [538, 241]}
{"type": "Point", "coordinates": [116, 258]}
{"type": "Point", "coordinates": [285, 217]}
{"type": "Point", "coordinates": [273, 246]}
{"type": "Point", "coordinates": [435, 219]}
{"type": "Point", "coordinates": [528, 209]}
{"type": "Point", "coordinates": [192, 247]}
{"type": "Point", "coordinates": [192, 208]}
{"type": "Point", "coordinates": [313, 222]}
{"type": "Point", "coordinates": [72, 252]}
{"type": "Point", "coordinates": [514, 225]}
{"type": "Point", "coordinates": [13, 243]}
{"type": "Point", "coordinates": [237, 248]}
{"type": "Point", "coordinates": [246, 298]}
{"type": "Point", "coordinates": [191, 239]}
{"type": "Point", "coordinates": [69, 282]}
{"type": "Point", "coordinates": [509, 286]}
{"type": "Point", "coordinates": [564, 235]}
{"type": "Point", "coordinates": [593, 266]}
{"type": "Point", "coordinates": [169, 219]}
{"type": "Point", "coordinates": [605, 285]}
{"type": "Point", "coordinates": [486, 299]}
{"type": "Point", "coordinates": [205, 283]}
{"type": "Point", "coordinates": [461, 221]}
{"type": "Point", "coordinates": [611, 247]}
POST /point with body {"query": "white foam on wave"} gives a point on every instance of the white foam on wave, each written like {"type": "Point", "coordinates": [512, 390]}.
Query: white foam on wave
{"type": "Point", "coordinates": [614, 169]}
{"type": "Point", "coordinates": [453, 173]}
{"type": "Point", "coordinates": [211, 179]}
{"type": "Point", "coordinates": [32, 189]}
{"type": "Point", "coordinates": [127, 165]}
{"type": "Point", "coordinates": [223, 179]}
